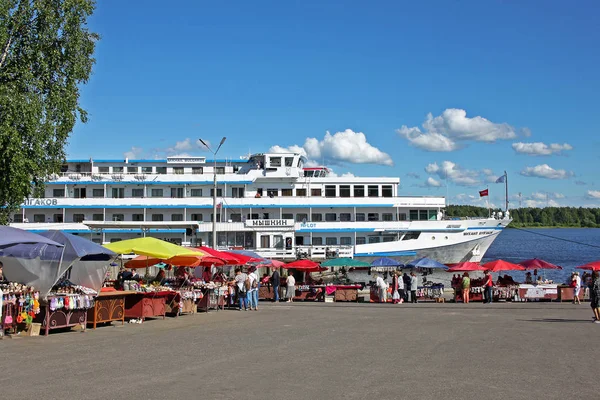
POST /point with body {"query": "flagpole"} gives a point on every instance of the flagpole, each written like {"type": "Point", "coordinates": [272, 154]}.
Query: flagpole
{"type": "Point", "coordinates": [487, 203]}
{"type": "Point", "coordinates": [506, 190]}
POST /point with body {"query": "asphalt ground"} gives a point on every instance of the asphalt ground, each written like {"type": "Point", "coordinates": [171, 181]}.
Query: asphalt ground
{"type": "Point", "coordinates": [319, 351]}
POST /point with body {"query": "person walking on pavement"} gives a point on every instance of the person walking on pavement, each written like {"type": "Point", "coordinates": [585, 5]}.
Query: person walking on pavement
{"type": "Point", "coordinates": [275, 280]}
{"type": "Point", "coordinates": [242, 293]}
{"type": "Point", "coordinates": [466, 287]}
{"type": "Point", "coordinates": [413, 287]}
{"type": "Point", "coordinates": [253, 291]}
{"type": "Point", "coordinates": [290, 290]}
{"type": "Point", "coordinates": [489, 284]}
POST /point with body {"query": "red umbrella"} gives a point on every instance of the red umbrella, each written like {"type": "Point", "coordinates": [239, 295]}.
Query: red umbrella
{"type": "Point", "coordinates": [593, 266]}
{"type": "Point", "coordinates": [501, 265]}
{"type": "Point", "coordinates": [272, 264]}
{"type": "Point", "coordinates": [466, 266]}
{"type": "Point", "coordinates": [230, 259]}
{"type": "Point", "coordinates": [302, 265]}
{"type": "Point", "coordinates": [536, 263]}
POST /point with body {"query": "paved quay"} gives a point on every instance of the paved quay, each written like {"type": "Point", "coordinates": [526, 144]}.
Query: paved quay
{"type": "Point", "coordinates": [320, 351]}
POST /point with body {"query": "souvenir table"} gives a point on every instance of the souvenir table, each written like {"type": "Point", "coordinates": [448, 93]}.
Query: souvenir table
{"type": "Point", "coordinates": [567, 293]}
{"type": "Point", "coordinates": [19, 305]}
{"type": "Point", "coordinates": [266, 292]}
{"type": "Point", "coordinates": [538, 292]}
{"type": "Point", "coordinates": [142, 305]}
{"type": "Point", "coordinates": [109, 306]}
{"type": "Point", "coordinates": [64, 311]}
{"type": "Point", "coordinates": [183, 301]}
{"type": "Point", "coordinates": [343, 292]}
{"type": "Point", "coordinates": [476, 293]}
{"type": "Point", "coordinates": [213, 297]}
{"type": "Point", "coordinates": [310, 292]}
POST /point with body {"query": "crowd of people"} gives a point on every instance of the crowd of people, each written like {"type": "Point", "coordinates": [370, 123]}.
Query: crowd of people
{"type": "Point", "coordinates": [404, 288]}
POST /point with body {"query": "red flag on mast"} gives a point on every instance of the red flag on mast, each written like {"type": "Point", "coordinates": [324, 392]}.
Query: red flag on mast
{"type": "Point", "coordinates": [483, 193]}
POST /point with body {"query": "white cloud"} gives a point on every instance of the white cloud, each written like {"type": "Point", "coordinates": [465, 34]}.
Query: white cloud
{"type": "Point", "coordinates": [487, 171]}
{"type": "Point", "coordinates": [545, 195]}
{"type": "Point", "coordinates": [444, 132]}
{"type": "Point", "coordinates": [134, 153]}
{"type": "Point", "coordinates": [454, 173]}
{"type": "Point", "coordinates": [593, 194]}
{"type": "Point", "coordinates": [547, 172]}
{"type": "Point", "coordinates": [540, 149]}
{"type": "Point", "coordinates": [342, 147]}
{"type": "Point", "coordinates": [430, 182]}
{"type": "Point", "coordinates": [289, 149]}
{"type": "Point", "coordinates": [540, 203]}
{"type": "Point", "coordinates": [184, 146]}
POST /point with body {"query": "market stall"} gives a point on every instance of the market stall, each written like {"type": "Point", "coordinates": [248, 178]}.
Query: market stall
{"type": "Point", "coordinates": [87, 266]}
{"type": "Point", "coordinates": [343, 292]}
{"type": "Point", "coordinates": [108, 307]}
{"type": "Point", "coordinates": [537, 292]}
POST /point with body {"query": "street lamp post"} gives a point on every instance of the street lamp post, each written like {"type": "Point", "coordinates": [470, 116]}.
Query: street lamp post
{"type": "Point", "coordinates": [214, 226]}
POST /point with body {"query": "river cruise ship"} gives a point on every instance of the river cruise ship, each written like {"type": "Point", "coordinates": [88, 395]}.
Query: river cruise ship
{"type": "Point", "coordinates": [269, 203]}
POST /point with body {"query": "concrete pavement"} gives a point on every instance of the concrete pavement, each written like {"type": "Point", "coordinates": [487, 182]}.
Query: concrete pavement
{"type": "Point", "coordinates": [319, 351]}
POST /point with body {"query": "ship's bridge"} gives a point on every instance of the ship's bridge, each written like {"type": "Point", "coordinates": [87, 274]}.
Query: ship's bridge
{"type": "Point", "coordinates": [316, 172]}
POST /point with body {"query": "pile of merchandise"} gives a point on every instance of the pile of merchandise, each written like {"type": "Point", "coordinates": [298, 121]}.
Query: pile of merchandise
{"type": "Point", "coordinates": [67, 296]}
{"type": "Point", "coordinates": [18, 304]}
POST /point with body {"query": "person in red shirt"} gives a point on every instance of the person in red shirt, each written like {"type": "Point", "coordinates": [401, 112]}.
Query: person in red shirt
{"type": "Point", "coordinates": [488, 284]}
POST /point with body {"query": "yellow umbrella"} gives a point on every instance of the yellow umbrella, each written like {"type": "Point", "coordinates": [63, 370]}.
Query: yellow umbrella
{"type": "Point", "coordinates": [152, 247]}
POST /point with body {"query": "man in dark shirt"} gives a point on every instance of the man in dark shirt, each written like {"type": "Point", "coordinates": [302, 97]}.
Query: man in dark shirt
{"type": "Point", "coordinates": [275, 280]}
{"type": "Point", "coordinates": [406, 280]}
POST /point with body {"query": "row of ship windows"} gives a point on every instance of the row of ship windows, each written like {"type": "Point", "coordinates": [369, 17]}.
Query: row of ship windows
{"type": "Point", "coordinates": [278, 241]}
{"type": "Point", "coordinates": [329, 191]}
{"type": "Point", "coordinates": [414, 215]}
{"type": "Point", "coordinates": [157, 170]}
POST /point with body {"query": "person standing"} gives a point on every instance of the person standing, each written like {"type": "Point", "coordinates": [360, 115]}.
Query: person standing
{"type": "Point", "coordinates": [488, 285]}
{"type": "Point", "coordinates": [381, 289]}
{"type": "Point", "coordinates": [290, 289]}
{"type": "Point", "coordinates": [240, 284]}
{"type": "Point", "coordinates": [253, 291]}
{"type": "Point", "coordinates": [576, 288]}
{"type": "Point", "coordinates": [401, 287]}
{"type": "Point", "coordinates": [466, 287]}
{"type": "Point", "coordinates": [395, 293]}
{"type": "Point", "coordinates": [413, 287]}
{"type": "Point", "coordinates": [595, 296]}
{"type": "Point", "coordinates": [276, 280]}
{"type": "Point", "coordinates": [406, 280]}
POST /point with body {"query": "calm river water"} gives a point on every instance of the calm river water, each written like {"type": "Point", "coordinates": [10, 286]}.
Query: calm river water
{"type": "Point", "coordinates": [516, 245]}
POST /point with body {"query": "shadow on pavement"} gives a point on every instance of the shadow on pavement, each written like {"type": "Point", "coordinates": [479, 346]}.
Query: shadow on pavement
{"type": "Point", "coordinates": [573, 321]}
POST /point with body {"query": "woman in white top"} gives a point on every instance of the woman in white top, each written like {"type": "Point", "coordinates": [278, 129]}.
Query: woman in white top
{"type": "Point", "coordinates": [576, 288]}
{"type": "Point", "coordinates": [291, 288]}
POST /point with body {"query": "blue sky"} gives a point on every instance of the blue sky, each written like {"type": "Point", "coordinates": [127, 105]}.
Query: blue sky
{"type": "Point", "coordinates": [510, 85]}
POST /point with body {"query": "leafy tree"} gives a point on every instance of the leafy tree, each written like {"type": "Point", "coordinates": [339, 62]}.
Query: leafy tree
{"type": "Point", "coordinates": [530, 217]}
{"type": "Point", "coordinates": [46, 52]}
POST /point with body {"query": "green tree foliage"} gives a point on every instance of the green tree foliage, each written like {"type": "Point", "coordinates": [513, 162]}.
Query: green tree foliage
{"type": "Point", "coordinates": [532, 217]}
{"type": "Point", "coordinates": [46, 52]}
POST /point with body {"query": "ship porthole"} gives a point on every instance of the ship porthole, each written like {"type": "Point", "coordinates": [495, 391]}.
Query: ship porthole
{"type": "Point", "coordinates": [446, 238]}
{"type": "Point", "coordinates": [433, 238]}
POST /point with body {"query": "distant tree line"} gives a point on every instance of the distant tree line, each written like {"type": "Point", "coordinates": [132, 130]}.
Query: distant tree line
{"type": "Point", "coordinates": [531, 217]}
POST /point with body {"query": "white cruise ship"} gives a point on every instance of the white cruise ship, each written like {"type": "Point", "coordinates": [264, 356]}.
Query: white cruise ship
{"type": "Point", "coordinates": [268, 203]}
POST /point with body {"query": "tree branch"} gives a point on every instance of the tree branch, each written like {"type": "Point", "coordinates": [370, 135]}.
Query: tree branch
{"type": "Point", "coordinates": [5, 52]}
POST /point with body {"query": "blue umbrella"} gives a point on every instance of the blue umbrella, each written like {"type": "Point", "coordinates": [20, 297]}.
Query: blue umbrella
{"type": "Point", "coordinates": [425, 263]}
{"type": "Point", "coordinates": [247, 253]}
{"type": "Point", "coordinates": [78, 247]}
{"type": "Point", "coordinates": [386, 262]}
